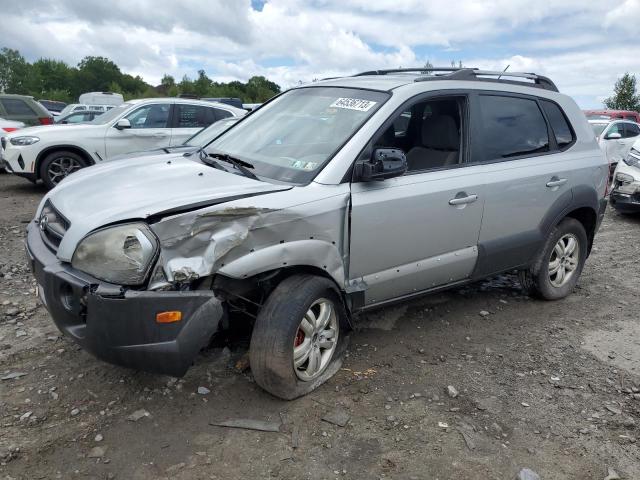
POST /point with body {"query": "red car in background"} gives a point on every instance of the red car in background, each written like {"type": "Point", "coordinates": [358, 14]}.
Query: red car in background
{"type": "Point", "coordinates": [613, 115]}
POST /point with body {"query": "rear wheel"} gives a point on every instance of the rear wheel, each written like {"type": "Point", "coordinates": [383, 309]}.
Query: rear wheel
{"type": "Point", "coordinates": [558, 266]}
{"type": "Point", "coordinates": [58, 165]}
{"type": "Point", "coordinates": [299, 337]}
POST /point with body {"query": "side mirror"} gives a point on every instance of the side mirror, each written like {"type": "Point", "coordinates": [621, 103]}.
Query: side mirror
{"type": "Point", "coordinates": [122, 124]}
{"type": "Point", "coordinates": [613, 136]}
{"type": "Point", "coordinates": [384, 163]}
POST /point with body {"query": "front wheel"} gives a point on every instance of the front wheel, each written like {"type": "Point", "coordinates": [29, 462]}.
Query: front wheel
{"type": "Point", "coordinates": [558, 266]}
{"type": "Point", "coordinates": [58, 165]}
{"type": "Point", "coordinates": [299, 337]}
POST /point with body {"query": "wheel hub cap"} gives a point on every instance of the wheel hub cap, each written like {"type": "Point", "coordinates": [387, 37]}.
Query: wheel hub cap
{"type": "Point", "coordinates": [564, 260]}
{"type": "Point", "coordinates": [316, 340]}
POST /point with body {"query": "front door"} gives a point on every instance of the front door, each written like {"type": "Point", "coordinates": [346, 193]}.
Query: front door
{"type": "Point", "coordinates": [149, 130]}
{"type": "Point", "coordinates": [419, 231]}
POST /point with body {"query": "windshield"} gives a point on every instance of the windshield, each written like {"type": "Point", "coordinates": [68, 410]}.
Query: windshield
{"type": "Point", "coordinates": [598, 128]}
{"type": "Point", "coordinates": [291, 138]}
{"type": "Point", "coordinates": [110, 115]}
{"type": "Point", "coordinates": [207, 134]}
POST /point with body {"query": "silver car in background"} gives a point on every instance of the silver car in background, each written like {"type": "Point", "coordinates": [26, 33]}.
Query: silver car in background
{"type": "Point", "coordinates": [330, 200]}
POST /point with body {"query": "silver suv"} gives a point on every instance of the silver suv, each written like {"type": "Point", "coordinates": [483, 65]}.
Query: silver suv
{"type": "Point", "coordinates": [331, 199]}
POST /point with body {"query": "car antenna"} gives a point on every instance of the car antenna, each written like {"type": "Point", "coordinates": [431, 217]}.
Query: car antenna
{"type": "Point", "coordinates": [505, 69]}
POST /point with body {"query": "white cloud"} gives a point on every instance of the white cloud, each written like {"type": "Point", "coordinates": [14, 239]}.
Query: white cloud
{"type": "Point", "coordinates": [292, 40]}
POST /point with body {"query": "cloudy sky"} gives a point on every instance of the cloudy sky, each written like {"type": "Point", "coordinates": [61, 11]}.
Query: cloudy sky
{"type": "Point", "coordinates": [583, 45]}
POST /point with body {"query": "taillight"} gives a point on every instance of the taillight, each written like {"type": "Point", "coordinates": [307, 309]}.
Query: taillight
{"type": "Point", "coordinates": [9, 129]}
{"type": "Point", "coordinates": [45, 120]}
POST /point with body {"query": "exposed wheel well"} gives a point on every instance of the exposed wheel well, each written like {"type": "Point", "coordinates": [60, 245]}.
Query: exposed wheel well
{"type": "Point", "coordinates": [67, 148]}
{"type": "Point", "coordinates": [254, 291]}
{"type": "Point", "coordinates": [588, 218]}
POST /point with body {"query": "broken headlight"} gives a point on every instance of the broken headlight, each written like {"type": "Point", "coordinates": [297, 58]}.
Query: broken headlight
{"type": "Point", "coordinates": [633, 159]}
{"type": "Point", "coordinates": [624, 178]}
{"type": "Point", "coordinates": [122, 254]}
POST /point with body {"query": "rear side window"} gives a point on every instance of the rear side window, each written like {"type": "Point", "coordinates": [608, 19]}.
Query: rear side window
{"type": "Point", "coordinates": [194, 116]}
{"type": "Point", "coordinates": [511, 127]}
{"type": "Point", "coordinates": [631, 130]}
{"type": "Point", "coordinates": [15, 106]}
{"type": "Point", "coordinates": [220, 114]}
{"type": "Point", "coordinates": [559, 123]}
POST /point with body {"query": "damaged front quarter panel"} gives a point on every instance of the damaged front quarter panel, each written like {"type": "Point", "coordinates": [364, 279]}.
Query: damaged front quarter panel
{"type": "Point", "coordinates": [240, 240]}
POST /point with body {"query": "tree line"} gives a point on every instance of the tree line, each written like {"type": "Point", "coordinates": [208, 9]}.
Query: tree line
{"type": "Point", "coordinates": [55, 80]}
{"type": "Point", "coordinates": [624, 94]}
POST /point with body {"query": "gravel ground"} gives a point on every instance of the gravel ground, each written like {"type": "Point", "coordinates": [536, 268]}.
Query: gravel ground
{"type": "Point", "coordinates": [476, 383]}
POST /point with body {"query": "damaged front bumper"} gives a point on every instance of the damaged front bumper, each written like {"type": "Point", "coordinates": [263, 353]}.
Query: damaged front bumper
{"type": "Point", "coordinates": [625, 202]}
{"type": "Point", "coordinates": [119, 325]}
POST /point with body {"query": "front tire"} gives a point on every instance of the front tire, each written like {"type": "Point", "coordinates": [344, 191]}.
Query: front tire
{"type": "Point", "coordinates": [58, 165]}
{"type": "Point", "coordinates": [555, 272]}
{"type": "Point", "coordinates": [299, 337]}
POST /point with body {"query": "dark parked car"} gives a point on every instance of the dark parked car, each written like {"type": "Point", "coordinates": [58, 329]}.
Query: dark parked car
{"type": "Point", "coordinates": [54, 106]}
{"type": "Point", "coordinates": [22, 108]}
{"type": "Point", "coordinates": [234, 102]}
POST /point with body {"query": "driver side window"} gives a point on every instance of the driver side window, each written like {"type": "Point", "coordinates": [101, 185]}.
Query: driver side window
{"type": "Point", "coordinates": [615, 128]}
{"type": "Point", "coordinates": [150, 116]}
{"type": "Point", "coordinates": [429, 132]}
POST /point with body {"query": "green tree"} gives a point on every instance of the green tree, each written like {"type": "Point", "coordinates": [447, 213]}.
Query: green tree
{"type": "Point", "coordinates": [624, 94]}
{"type": "Point", "coordinates": [202, 85]}
{"type": "Point", "coordinates": [95, 74]}
{"type": "Point", "coordinates": [14, 72]}
{"type": "Point", "coordinates": [51, 75]}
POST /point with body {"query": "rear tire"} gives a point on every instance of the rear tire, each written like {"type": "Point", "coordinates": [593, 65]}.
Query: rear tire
{"type": "Point", "coordinates": [290, 358]}
{"type": "Point", "coordinates": [555, 271]}
{"type": "Point", "coordinates": [58, 165]}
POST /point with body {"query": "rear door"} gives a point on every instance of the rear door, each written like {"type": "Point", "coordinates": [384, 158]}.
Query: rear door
{"type": "Point", "coordinates": [528, 175]}
{"type": "Point", "coordinates": [190, 119]}
{"type": "Point", "coordinates": [149, 130]}
{"type": "Point", "coordinates": [418, 231]}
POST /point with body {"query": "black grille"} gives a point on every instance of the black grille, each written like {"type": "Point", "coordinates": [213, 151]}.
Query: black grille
{"type": "Point", "coordinates": [52, 226]}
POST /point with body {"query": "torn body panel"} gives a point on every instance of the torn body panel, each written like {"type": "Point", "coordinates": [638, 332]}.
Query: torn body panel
{"type": "Point", "coordinates": [240, 240]}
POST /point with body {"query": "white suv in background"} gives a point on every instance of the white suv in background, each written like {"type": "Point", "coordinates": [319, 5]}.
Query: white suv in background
{"type": "Point", "coordinates": [51, 153]}
{"type": "Point", "coordinates": [615, 138]}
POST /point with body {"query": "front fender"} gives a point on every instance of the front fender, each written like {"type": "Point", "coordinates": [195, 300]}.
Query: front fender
{"type": "Point", "coordinates": [314, 253]}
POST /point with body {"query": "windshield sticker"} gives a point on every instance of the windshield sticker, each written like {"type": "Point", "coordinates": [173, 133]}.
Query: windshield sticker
{"type": "Point", "coordinates": [353, 104]}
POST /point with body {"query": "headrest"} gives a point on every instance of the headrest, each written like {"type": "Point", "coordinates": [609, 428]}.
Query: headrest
{"type": "Point", "coordinates": [440, 132]}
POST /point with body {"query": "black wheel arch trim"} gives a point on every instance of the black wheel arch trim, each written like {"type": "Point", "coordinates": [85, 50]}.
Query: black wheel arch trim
{"type": "Point", "coordinates": [520, 250]}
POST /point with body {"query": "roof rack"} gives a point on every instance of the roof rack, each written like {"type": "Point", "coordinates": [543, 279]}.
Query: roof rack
{"type": "Point", "coordinates": [472, 74]}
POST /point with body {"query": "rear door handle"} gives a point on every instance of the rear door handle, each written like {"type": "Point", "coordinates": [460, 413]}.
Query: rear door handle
{"type": "Point", "coordinates": [159, 135]}
{"type": "Point", "coordinates": [463, 200]}
{"type": "Point", "coordinates": [556, 182]}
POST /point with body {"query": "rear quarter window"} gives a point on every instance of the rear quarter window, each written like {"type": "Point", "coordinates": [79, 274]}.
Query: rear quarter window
{"type": "Point", "coordinates": [511, 127]}
{"type": "Point", "coordinates": [559, 124]}
{"type": "Point", "coordinates": [15, 106]}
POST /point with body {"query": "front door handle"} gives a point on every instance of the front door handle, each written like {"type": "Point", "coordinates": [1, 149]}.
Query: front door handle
{"type": "Point", "coordinates": [159, 135]}
{"type": "Point", "coordinates": [463, 200]}
{"type": "Point", "coordinates": [556, 182]}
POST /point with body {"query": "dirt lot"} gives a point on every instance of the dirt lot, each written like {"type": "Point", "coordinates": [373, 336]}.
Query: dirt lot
{"type": "Point", "coordinates": [552, 387]}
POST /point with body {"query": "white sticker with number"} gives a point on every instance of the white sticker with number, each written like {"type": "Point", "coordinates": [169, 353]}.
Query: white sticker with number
{"type": "Point", "coordinates": [353, 104]}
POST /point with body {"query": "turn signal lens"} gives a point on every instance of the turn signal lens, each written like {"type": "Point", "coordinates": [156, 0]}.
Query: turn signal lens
{"type": "Point", "coordinates": [169, 317]}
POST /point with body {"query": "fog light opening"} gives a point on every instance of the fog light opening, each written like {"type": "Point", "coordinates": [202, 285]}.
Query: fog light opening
{"type": "Point", "coordinates": [67, 298]}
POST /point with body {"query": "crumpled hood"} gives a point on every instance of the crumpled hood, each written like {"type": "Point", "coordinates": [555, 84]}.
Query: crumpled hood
{"type": "Point", "coordinates": [137, 188]}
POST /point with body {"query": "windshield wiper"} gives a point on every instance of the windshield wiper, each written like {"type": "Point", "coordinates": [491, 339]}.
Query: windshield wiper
{"type": "Point", "coordinates": [241, 165]}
